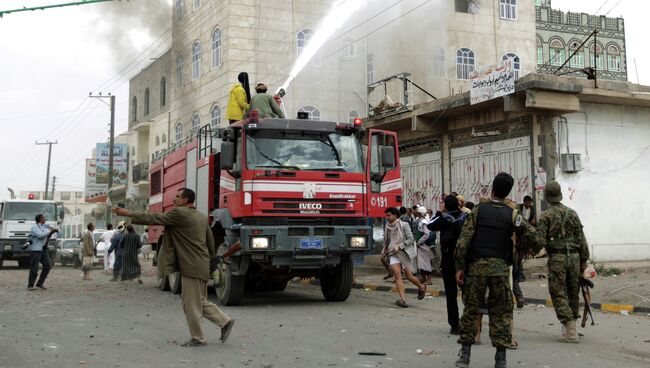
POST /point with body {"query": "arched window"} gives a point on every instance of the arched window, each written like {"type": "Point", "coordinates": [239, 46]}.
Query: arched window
{"type": "Point", "coordinates": [157, 140]}
{"type": "Point", "coordinates": [578, 59]}
{"type": "Point", "coordinates": [163, 91]}
{"type": "Point", "coordinates": [303, 38]}
{"type": "Point", "coordinates": [540, 51]}
{"type": "Point", "coordinates": [146, 102]}
{"type": "Point", "coordinates": [348, 48]}
{"type": "Point", "coordinates": [438, 65]}
{"type": "Point", "coordinates": [179, 131]}
{"type": "Point", "coordinates": [465, 63]}
{"type": "Point", "coordinates": [179, 5]}
{"type": "Point", "coordinates": [215, 117]}
{"type": "Point", "coordinates": [613, 58]}
{"type": "Point", "coordinates": [196, 60]}
{"type": "Point", "coordinates": [313, 113]}
{"type": "Point", "coordinates": [134, 111]}
{"type": "Point", "coordinates": [179, 71]}
{"type": "Point", "coordinates": [557, 52]}
{"type": "Point", "coordinates": [216, 48]}
{"type": "Point", "coordinates": [516, 63]}
{"type": "Point", "coordinates": [353, 114]}
{"type": "Point", "coordinates": [597, 52]}
{"type": "Point", "coordinates": [196, 122]}
{"type": "Point", "coordinates": [164, 138]}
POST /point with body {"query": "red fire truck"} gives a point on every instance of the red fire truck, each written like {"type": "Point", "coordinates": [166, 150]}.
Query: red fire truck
{"type": "Point", "coordinates": [287, 198]}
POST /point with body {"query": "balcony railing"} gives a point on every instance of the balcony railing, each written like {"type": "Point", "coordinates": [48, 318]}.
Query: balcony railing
{"type": "Point", "coordinates": [140, 172]}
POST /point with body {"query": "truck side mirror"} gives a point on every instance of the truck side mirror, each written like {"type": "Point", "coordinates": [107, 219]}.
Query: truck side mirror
{"type": "Point", "coordinates": [62, 214]}
{"type": "Point", "coordinates": [227, 161]}
{"type": "Point", "coordinates": [388, 157]}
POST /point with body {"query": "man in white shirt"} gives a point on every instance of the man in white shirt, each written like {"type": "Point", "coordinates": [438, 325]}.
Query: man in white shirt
{"type": "Point", "coordinates": [106, 238]}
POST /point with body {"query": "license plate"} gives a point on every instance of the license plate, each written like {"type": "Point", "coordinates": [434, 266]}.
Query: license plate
{"type": "Point", "coordinates": [311, 243]}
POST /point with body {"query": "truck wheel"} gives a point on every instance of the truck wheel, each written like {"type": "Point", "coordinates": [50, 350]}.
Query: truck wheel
{"type": "Point", "coordinates": [229, 288]}
{"type": "Point", "coordinates": [175, 285]}
{"type": "Point", "coordinates": [23, 263]}
{"type": "Point", "coordinates": [76, 263]}
{"type": "Point", "coordinates": [336, 283]}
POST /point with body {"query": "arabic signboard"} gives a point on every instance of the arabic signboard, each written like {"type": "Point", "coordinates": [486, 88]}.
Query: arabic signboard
{"type": "Point", "coordinates": [492, 81]}
{"type": "Point", "coordinates": [94, 192]}
{"type": "Point", "coordinates": [120, 163]}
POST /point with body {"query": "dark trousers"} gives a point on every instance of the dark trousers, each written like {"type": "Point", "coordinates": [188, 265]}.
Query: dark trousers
{"type": "Point", "coordinates": [117, 266]}
{"type": "Point", "coordinates": [34, 259]}
{"type": "Point", "coordinates": [451, 294]}
{"type": "Point", "coordinates": [517, 275]}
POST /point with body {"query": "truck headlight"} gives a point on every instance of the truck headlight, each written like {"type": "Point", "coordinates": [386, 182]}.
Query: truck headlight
{"type": "Point", "coordinates": [358, 242]}
{"type": "Point", "coordinates": [260, 242]}
{"type": "Point", "coordinates": [7, 246]}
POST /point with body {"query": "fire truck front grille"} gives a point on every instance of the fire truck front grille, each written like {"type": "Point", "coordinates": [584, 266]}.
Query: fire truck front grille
{"type": "Point", "coordinates": [298, 206]}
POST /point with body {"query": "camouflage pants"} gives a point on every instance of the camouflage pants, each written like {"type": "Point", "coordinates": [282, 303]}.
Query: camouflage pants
{"type": "Point", "coordinates": [499, 305]}
{"type": "Point", "coordinates": [564, 285]}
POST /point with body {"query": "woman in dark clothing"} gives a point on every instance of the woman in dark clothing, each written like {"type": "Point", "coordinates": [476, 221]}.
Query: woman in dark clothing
{"type": "Point", "coordinates": [131, 245]}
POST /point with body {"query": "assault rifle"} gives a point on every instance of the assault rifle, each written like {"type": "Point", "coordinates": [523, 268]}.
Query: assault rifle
{"type": "Point", "coordinates": [585, 285]}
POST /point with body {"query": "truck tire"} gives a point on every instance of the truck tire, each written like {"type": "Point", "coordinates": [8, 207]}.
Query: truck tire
{"type": "Point", "coordinates": [175, 285]}
{"type": "Point", "coordinates": [23, 263]}
{"type": "Point", "coordinates": [336, 282]}
{"type": "Point", "coordinates": [229, 288]}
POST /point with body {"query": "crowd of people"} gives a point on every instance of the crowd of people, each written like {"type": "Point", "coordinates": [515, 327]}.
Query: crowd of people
{"type": "Point", "coordinates": [481, 250]}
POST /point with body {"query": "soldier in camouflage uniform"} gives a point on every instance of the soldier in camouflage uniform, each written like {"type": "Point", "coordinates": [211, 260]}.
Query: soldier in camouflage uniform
{"type": "Point", "coordinates": [483, 256]}
{"type": "Point", "coordinates": [560, 230]}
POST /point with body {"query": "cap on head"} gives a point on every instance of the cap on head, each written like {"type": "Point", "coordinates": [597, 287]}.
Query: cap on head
{"type": "Point", "coordinates": [422, 210]}
{"type": "Point", "coordinates": [460, 198]}
{"type": "Point", "coordinates": [261, 87]}
{"type": "Point", "coordinates": [553, 191]}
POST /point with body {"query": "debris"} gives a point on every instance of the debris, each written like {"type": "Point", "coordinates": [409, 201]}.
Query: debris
{"type": "Point", "coordinates": [344, 330]}
{"type": "Point", "coordinates": [541, 306]}
{"type": "Point", "coordinates": [625, 312]}
{"type": "Point", "coordinates": [374, 353]}
{"type": "Point", "coordinates": [419, 351]}
{"type": "Point", "coordinates": [542, 285]}
{"type": "Point", "coordinates": [366, 289]}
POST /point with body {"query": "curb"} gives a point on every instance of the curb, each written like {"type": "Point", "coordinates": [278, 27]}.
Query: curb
{"type": "Point", "coordinates": [604, 307]}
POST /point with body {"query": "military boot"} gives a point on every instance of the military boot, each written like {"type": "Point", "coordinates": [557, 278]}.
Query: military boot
{"type": "Point", "coordinates": [463, 356]}
{"type": "Point", "coordinates": [570, 333]}
{"type": "Point", "coordinates": [500, 358]}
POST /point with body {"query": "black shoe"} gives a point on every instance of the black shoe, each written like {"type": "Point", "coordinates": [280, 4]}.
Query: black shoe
{"type": "Point", "coordinates": [520, 303]}
{"type": "Point", "coordinates": [454, 331]}
{"type": "Point", "coordinates": [463, 356]}
{"type": "Point", "coordinates": [225, 330]}
{"type": "Point", "coordinates": [500, 359]}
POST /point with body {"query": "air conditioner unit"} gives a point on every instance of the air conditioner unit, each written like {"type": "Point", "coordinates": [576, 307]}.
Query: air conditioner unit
{"type": "Point", "coordinates": [570, 162]}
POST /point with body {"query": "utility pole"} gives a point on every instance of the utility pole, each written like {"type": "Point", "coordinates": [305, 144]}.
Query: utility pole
{"type": "Point", "coordinates": [53, 186]}
{"type": "Point", "coordinates": [49, 160]}
{"type": "Point", "coordinates": [111, 144]}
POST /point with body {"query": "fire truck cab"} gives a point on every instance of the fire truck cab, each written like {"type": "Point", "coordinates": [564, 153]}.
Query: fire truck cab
{"type": "Point", "coordinates": [287, 198]}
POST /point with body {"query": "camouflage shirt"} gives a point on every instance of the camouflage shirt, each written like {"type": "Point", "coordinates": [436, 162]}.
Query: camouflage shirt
{"type": "Point", "coordinates": [550, 234]}
{"type": "Point", "coordinates": [490, 266]}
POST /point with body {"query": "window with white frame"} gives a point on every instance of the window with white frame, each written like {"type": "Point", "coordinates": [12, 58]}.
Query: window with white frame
{"type": "Point", "coordinates": [179, 71]}
{"type": "Point", "coordinates": [465, 63]}
{"type": "Point", "coordinates": [353, 114]}
{"type": "Point", "coordinates": [178, 129]}
{"type": "Point", "coordinates": [516, 63]}
{"type": "Point", "coordinates": [146, 101]}
{"type": "Point", "coordinates": [215, 117]}
{"type": "Point", "coordinates": [303, 38]}
{"type": "Point", "coordinates": [163, 91]}
{"type": "Point", "coordinates": [508, 9]}
{"type": "Point", "coordinates": [216, 48]}
{"type": "Point", "coordinates": [370, 66]}
{"type": "Point", "coordinates": [196, 60]}
{"type": "Point", "coordinates": [438, 65]}
{"type": "Point", "coordinates": [348, 48]}
{"type": "Point", "coordinates": [313, 113]}
{"type": "Point", "coordinates": [556, 52]}
{"type": "Point", "coordinates": [179, 5]}
{"type": "Point", "coordinates": [197, 4]}
{"type": "Point", "coordinates": [196, 123]}
{"type": "Point", "coordinates": [540, 52]}
{"type": "Point", "coordinates": [613, 58]}
{"type": "Point", "coordinates": [578, 58]}
{"type": "Point", "coordinates": [597, 52]}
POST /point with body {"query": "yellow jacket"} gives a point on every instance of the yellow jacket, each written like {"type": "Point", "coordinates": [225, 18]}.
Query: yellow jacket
{"type": "Point", "coordinates": [237, 104]}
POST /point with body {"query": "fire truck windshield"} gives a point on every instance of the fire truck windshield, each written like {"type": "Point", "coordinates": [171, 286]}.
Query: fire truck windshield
{"type": "Point", "coordinates": [304, 151]}
{"type": "Point", "coordinates": [28, 210]}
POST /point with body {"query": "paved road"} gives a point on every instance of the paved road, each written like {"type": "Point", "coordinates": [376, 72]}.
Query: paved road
{"type": "Point", "coordinates": [104, 324]}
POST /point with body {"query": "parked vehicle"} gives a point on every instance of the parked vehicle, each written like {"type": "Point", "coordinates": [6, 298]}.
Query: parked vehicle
{"type": "Point", "coordinates": [101, 249]}
{"type": "Point", "coordinates": [66, 250]}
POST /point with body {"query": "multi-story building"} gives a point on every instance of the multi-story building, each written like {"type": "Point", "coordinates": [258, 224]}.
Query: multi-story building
{"type": "Point", "coordinates": [567, 38]}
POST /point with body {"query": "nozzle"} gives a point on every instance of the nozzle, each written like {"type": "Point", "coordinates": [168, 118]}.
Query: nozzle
{"type": "Point", "coordinates": [281, 92]}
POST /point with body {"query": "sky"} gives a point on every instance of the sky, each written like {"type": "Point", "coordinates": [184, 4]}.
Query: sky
{"type": "Point", "coordinates": [52, 59]}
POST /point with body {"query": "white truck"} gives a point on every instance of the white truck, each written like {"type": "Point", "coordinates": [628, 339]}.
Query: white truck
{"type": "Point", "coordinates": [16, 219]}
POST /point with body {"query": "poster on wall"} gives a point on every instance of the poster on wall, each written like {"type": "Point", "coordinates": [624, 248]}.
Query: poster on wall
{"type": "Point", "coordinates": [94, 192]}
{"type": "Point", "coordinates": [492, 81]}
{"type": "Point", "coordinates": [120, 163]}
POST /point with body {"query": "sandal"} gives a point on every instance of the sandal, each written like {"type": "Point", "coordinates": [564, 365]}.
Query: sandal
{"type": "Point", "coordinates": [225, 330]}
{"type": "Point", "coordinates": [194, 342]}
{"type": "Point", "coordinates": [387, 277]}
{"type": "Point", "coordinates": [422, 293]}
{"type": "Point", "coordinates": [401, 303]}
{"type": "Point", "coordinates": [514, 345]}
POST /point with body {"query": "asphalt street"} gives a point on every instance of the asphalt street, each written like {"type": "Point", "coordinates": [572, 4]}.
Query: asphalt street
{"type": "Point", "coordinates": [107, 324]}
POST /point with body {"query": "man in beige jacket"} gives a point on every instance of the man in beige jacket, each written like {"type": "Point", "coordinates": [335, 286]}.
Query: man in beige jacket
{"type": "Point", "coordinates": [188, 232]}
